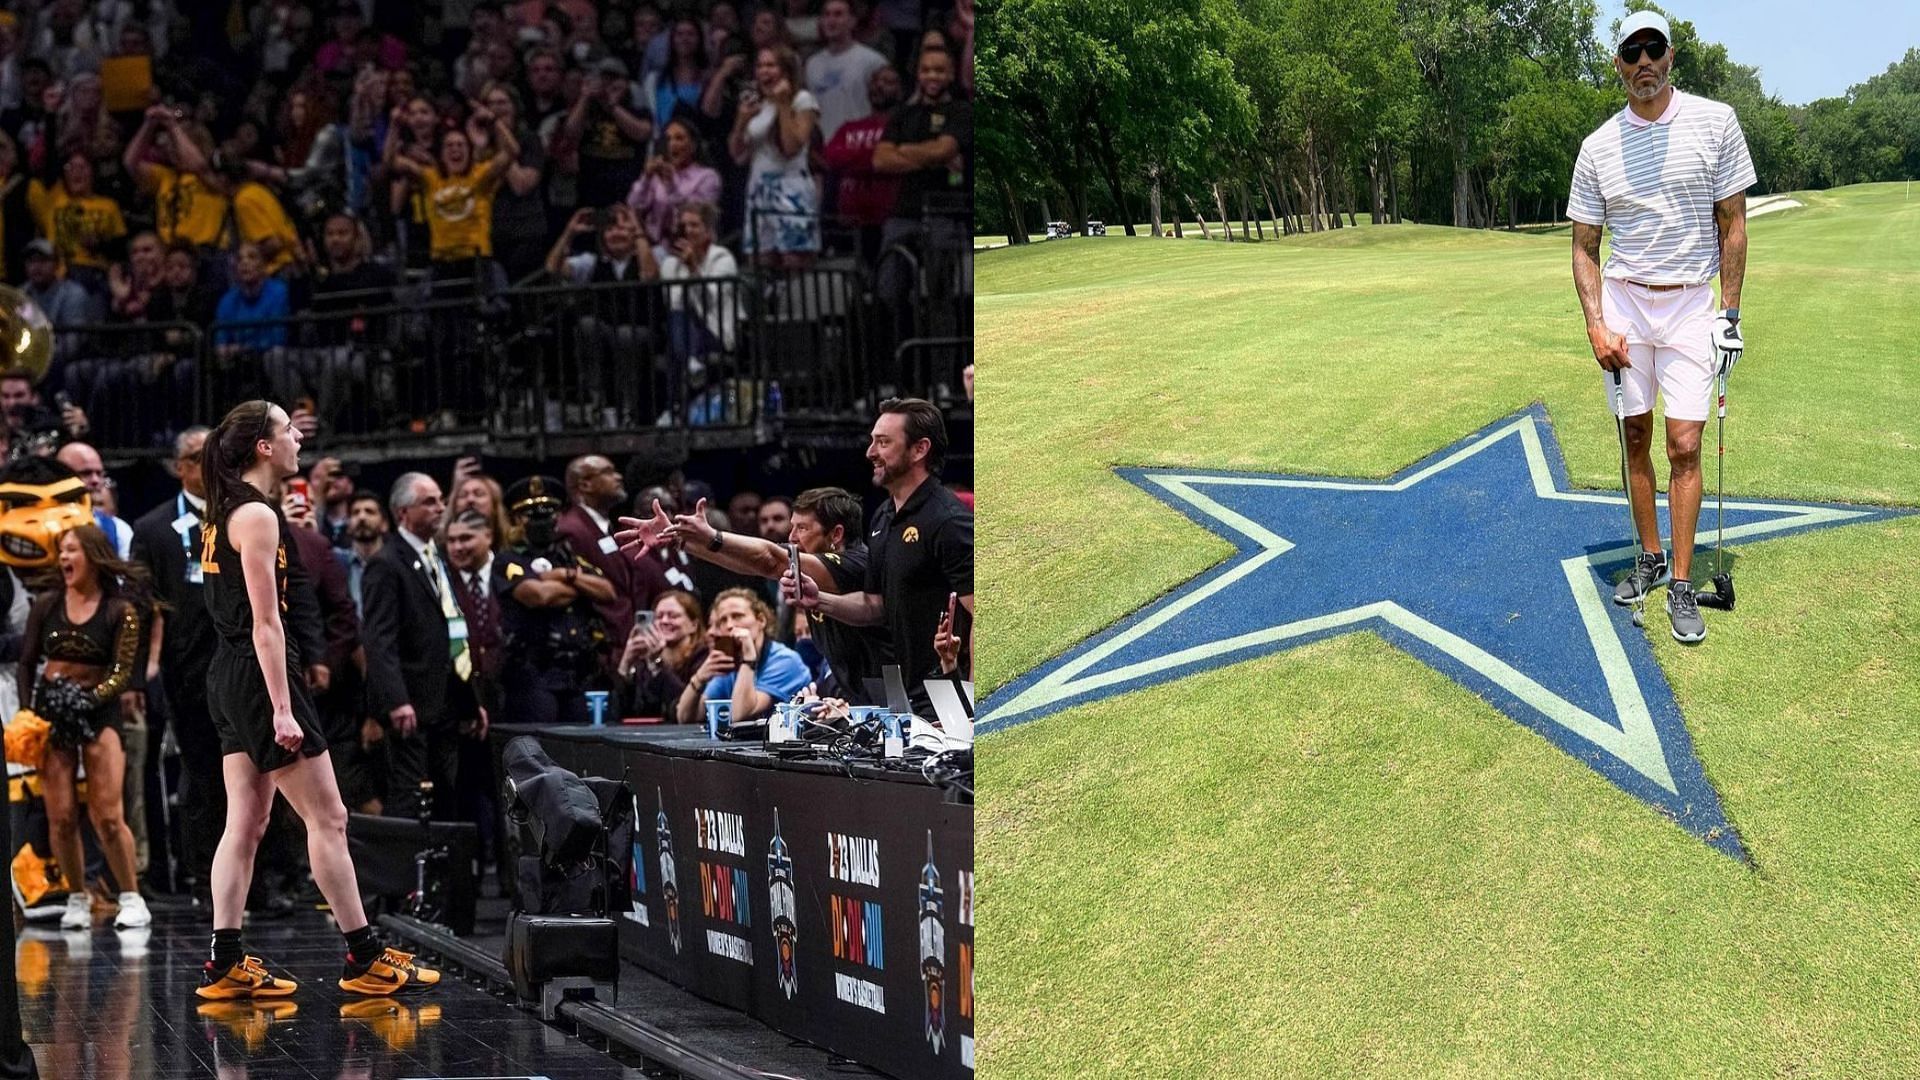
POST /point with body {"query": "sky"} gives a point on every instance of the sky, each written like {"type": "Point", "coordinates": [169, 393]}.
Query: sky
{"type": "Point", "coordinates": [1833, 45]}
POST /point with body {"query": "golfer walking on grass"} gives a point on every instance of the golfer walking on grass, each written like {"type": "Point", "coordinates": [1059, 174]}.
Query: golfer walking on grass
{"type": "Point", "coordinates": [1668, 176]}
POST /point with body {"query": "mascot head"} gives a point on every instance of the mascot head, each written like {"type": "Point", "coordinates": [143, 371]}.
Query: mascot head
{"type": "Point", "coordinates": [39, 499]}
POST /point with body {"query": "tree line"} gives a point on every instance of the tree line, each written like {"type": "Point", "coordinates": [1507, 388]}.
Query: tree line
{"type": "Point", "coordinates": [1219, 114]}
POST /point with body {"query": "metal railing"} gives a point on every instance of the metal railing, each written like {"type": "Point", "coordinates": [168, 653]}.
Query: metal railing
{"type": "Point", "coordinates": [456, 360]}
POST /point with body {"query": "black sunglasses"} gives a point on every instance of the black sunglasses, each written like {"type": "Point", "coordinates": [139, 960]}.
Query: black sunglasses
{"type": "Point", "coordinates": [1654, 49]}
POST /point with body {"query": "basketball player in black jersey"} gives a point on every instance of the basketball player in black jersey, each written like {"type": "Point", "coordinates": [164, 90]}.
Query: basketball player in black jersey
{"type": "Point", "coordinates": [269, 732]}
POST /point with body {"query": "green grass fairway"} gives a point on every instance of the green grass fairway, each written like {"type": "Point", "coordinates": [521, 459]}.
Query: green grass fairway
{"type": "Point", "coordinates": [1336, 860]}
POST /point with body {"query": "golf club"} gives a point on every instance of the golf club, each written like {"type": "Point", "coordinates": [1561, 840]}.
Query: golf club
{"type": "Point", "coordinates": [1721, 597]}
{"type": "Point", "coordinates": [1633, 523]}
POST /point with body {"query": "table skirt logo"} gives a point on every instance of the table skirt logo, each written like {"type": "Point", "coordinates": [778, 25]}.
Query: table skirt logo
{"type": "Point", "coordinates": [933, 950]}
{"type": "Point", "coordinates": [786, 931]}
{"type": "Point", "coordinates": [723, 894]}
{"type": "Point", "coordinates": [669, 881]}
{"type": "Point", "coordinates": [853, 858]}
{"type": "Point", "coordinates": [721, 831]}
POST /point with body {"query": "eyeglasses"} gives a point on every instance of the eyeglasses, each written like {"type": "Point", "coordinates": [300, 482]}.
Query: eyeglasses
{"type": "Point", "coordinates": [1654, 50]}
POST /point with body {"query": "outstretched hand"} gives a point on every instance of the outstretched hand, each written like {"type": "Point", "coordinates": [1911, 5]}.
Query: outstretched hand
{"type": "Point", "coordinates": [641, 535]}
{"type": "Point", "coordinates": [694, 526]}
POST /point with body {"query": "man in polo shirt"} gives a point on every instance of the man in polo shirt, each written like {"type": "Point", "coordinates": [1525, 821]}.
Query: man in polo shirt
{"type": "Point", "coordinates": [919, 547]}
{"type": "Point", "coordinates": [1668, 176]}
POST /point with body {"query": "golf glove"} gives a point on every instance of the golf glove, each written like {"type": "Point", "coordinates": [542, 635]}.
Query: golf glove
{"type": "Point", "coordinates": [1727, 345]}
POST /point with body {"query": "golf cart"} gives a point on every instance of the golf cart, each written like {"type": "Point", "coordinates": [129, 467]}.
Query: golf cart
{"type": "Point", "coordinates": [1096, 228]}
{"type": "Point", "coordinates": [1058, 230]}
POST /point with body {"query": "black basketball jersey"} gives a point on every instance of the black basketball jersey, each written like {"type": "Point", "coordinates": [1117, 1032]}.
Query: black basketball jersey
{"type": "Point", "coordinates": [227, 603]}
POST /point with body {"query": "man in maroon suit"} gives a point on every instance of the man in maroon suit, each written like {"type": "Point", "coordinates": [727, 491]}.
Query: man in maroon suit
{"type": "Point", "coordinates": [597, 494]}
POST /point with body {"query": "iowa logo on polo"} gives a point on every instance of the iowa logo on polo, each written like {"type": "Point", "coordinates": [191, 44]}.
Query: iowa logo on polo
{"type": "Point", "coordinates": [1479, 560]}
{"type": "Point", "coordinates": [911, 535]}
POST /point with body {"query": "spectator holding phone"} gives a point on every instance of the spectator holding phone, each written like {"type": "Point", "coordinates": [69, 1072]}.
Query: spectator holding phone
{"type": "Point", "coordinates": [743, 665]}
{"type": "Point", "coordinates": [671, 181]}
{"type": "Point", "coordinates": [771, 136]}
{"type": "Point", "coordinates": [662, 653]}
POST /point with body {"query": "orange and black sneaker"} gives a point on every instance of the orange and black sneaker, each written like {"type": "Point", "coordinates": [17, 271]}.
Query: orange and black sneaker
{"type": "Point", "coordinates": [248, 979]}
{"type": "Point", "coordinates": [392, 972]}
{"type": "Point", "coordinates": [425, 976]}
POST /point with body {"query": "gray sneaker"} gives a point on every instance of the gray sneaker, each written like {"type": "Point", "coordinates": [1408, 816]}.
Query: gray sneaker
{"type": "Point", "coordinates": [1649, 572]}
{"type": "Point", "coordinates": [1684, 610]}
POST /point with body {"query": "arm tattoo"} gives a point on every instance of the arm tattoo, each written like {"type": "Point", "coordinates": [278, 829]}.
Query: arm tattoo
{"type": "Point", "coordinates": [1586, 270]}
{"type": "Point", "coordinates": [1730, 218]}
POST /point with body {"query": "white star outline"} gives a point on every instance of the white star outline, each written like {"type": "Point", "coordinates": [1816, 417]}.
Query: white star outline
{"type": "Point", "coordinates": [1635, 741]}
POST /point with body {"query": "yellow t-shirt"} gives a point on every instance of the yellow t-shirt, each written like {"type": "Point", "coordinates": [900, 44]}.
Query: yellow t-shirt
{"type": "Point", "coordinates": [460, 211]}
{"type": "Point", "coordinates": [76, 226]}
{"type": "Point", "coordinates": [186, 207]}
{"type": "Point", "coordinates": [260, 216]}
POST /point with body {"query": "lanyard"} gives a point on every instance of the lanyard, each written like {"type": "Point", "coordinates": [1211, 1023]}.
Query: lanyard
{"type": "Point", "coordinates": [195, 573]}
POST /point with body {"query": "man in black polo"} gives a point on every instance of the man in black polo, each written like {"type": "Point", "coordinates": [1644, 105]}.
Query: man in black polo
{"type": "Point", "coordinates": [919, 547]}
{"type": "Point", "coordinates": [928, 145]}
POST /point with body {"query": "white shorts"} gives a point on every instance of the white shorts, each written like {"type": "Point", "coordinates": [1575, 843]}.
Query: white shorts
{"type": "Point", "coordinates": [1670, 339]}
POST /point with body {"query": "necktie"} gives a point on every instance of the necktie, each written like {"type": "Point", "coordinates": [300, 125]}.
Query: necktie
{"type": "Point", "coordinates": [482, 613]}
{"type": "Point", "coordinates": [450, 609]}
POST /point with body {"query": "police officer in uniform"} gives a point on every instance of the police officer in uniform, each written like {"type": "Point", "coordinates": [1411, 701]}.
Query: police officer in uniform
{"type": "Point", "coordinates": [555, 636]}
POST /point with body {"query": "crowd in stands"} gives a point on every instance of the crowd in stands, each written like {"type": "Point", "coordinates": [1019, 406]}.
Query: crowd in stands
{"type": "Point", "coordinates": [229, 168]}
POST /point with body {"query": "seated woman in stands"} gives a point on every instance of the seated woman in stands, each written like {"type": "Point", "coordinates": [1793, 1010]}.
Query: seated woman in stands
{"type": "Point", "coordinates": [662, 656]}
{"type": "Point", "coordinates": [743, 665]}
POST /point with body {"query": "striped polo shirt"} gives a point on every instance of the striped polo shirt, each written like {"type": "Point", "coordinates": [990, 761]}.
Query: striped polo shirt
{"type": "Point", "coordinates": [1654, 183]}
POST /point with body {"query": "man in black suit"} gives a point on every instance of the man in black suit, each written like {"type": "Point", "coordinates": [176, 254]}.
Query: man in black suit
{"type": "Point", "coordinates": [479, 585]}
{"type": "Point", "coordinates": [167, 542]}
{"type": "Point", "coordinates": [418, 665]}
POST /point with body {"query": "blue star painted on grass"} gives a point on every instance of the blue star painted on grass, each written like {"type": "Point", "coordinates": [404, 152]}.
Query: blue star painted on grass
{"type": "Point", "coordinates": [1479, 560]}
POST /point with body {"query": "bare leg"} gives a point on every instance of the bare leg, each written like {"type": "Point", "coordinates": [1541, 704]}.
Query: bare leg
{"type": "Point", "coordinates": [1640, 475]}
{"type": "Point", "coordinates": [106, 778]}
{"type": "Point", "coordinates": [249, 801]}
{"type": "Point", "coordinates": [1683, 490]}
{"type": "Point", "coordinates": [63, 816]}
{"type": "Point", "coordinates": [310, 786]}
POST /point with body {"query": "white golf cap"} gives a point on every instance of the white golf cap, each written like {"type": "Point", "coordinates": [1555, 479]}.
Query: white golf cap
{"type": "Point", "coordinates": [1643, 20]}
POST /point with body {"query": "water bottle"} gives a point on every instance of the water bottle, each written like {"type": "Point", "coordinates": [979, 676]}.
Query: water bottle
{"type": "Point", "coordinates": [773, 398]}
{"type": "Point", "coordinates": [597, 704]}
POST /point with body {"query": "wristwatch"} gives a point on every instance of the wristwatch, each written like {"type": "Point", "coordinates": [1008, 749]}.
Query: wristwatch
{"type": "Point", "coordinates": [714, 544]}
{"type": "Point", "coordinates": [1731, 314]}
